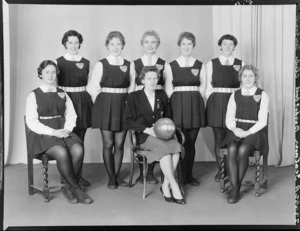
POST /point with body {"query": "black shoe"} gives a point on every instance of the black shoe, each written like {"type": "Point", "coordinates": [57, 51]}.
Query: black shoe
{"type": "Point", "coordinates": [218, 176]}
{"type": "Point", "coordinates": [83, 182]}
{"type": "Point", "coordinates": [81, 196]}
{"type": "Point", "coordinates": [234, 196]}
{"type": "Point", "coordinates": [151, 179]}
{"type": "Point", "coordinates": [69, 194]}
{"type": "Point", "coordinates": [179, 201]}
{"type": "Point", "coordinates": [168, 199]}
{"type": "Point", "coordinates": [228, 192]}
{"type": "Point", "coordinates": [193, 181]}
{"type": "Point", "coordinates": [140, 179]}
{"type": "Point", "coordinates": [121, 182]}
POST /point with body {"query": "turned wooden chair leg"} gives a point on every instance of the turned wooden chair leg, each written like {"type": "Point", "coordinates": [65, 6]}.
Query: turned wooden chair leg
{"type": "Point", "coordinates": [145, 170]}
{"type": "Point", "coordinates": [257, 186]}
{"type": "Point", "coordinates": [46, 188]}
{"type": "Point", "coordinates": [222, 180]}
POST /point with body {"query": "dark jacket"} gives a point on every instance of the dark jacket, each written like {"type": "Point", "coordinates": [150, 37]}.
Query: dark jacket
{"type": "Point", "coordinates": [139, 114]}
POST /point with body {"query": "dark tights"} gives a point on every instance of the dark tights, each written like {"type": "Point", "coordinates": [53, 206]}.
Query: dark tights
{"type": "Point", "coordinates": [68, 162]}
{"type": "Point", "coordinates": [113, 150]}
{"type": "Point", "coordinates": [237, 160]}
{"type": "Point", "coordinates": [219, 135]}
{"type": "Point", "coordinates": [190, 150]}
{"type": "Point", "coordinates": [81, 134]}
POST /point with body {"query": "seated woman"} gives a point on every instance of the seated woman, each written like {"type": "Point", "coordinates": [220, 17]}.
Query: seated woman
{"type": "Point", "coordinates": [51, 117]}
{"type": "Point", "coordinates": [144, 107]}
{"type": "Point", "coordinates": [246, 119]}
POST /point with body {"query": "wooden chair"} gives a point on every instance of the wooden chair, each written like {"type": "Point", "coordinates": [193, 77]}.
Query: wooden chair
{"type": "Point", "coordinates": [138, 157]}
{"type": "Point", "coordinates": [45, 190]}
{"type": "Point", "coordinates": [260, 179]}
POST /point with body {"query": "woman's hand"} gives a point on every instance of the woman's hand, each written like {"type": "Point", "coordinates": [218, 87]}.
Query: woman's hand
{"type": "Point", "coordinates": [240, 132]}
{"type": "Point", "coordinates": [61, 133]}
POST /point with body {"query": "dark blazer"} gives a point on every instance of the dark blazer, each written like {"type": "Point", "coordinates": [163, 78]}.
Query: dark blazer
{"type": "Point", "coordinates": [139, 114]}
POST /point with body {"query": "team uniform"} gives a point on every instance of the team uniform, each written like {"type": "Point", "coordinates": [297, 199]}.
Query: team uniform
{"type": "Point", "coordinates": [48, 111]}
{"type": "Point", "coordinates": [73, 79]}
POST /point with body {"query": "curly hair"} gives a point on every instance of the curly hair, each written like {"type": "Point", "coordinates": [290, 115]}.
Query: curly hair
{"type": "Point", "coordinates": [151, 33]}
{"type": "Point", "coordinates": [228, 37]}
{"type": "Point", "coordinates": [69, 34]}
{"type": "Point", "coordinates": [248, 67]}
{"type": "Point", "coordinates": [147, 69]}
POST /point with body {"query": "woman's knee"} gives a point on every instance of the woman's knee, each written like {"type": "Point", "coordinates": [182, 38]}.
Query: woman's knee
{"type": "Point", "coordinates": [59, 153]}
{"type": "Point", "coordinates": [77, 151]}
{"type": "Point", "coordinates": [245, 151]}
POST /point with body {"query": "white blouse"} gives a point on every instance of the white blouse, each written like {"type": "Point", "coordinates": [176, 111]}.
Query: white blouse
{"type": "Point", "coordinates": [262, 114]}
{"type": "Point", "coordinates": [169, 88]}
{"type": "Point", "coordinates": [33, 122]}
{"type": "Point", "coordinates": [93, 86]}
{"type": "Point", "coordinates": [209, 71]}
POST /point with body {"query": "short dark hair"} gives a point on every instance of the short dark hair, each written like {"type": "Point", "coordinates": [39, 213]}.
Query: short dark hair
{"type": "Point", "coordinates": [115, 34]}
{"type": "Point", "coordinates": [186, 35]}
{"type": "Point", "coordinates": [71, 33]}
{"type": "Point", "coordinates": [248, 67]}
{"type": "Point", "coordinates": [147, 69]}
{"type": "Point", "coordinates": [44, 64]}
{"type": "Point", "coordinates": [228, 37]}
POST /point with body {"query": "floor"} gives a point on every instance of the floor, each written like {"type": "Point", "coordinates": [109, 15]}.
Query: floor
{"type": "Point", "coordinates": [125, 206]}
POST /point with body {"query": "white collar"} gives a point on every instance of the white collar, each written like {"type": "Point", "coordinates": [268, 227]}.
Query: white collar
{"type": "Point", "coordinates": [153, 58]}
{"type": "Point", "coordinates": [70, 57]}
{"type": "Point", "coordinates": [224, 58]}
{"type": "Point", "coordinates": [148, 95]}
{"type": "Point", "coordinates": [252, 90]}
{"type": "Point", "coordinates": [45, 88]}
{"type": "Point", "coordinates": [112, 59]}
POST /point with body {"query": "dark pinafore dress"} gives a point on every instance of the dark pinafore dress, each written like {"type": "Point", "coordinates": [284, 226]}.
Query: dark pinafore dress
{"type": "Point", "coordinates": [160, 65]}
{"type": "Point", "coordinates": [73, 78]}
{"type": "Point", "coordinates": [226, 78]}
{"type": "Point", "coordinates": [109, 108]}
{"type": "Point", "coordinates": [50, 104]}
{"type": "Point", "coordinates": [247, 108]}
{"type": "Point", "coordinates": [187, 106]}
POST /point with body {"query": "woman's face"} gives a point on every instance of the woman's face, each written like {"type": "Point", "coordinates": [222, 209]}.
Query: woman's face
{"type": "Point", "coordinates": [150, 81]}
{"type": "Point", "coordinates": [72, 45]}
{"type": "Point", "coordinates": [150, 44]}
{"type": "Point", "coordinates": [115, 46]}
{"type": "Point", "coordinates": [248, 79]}
{"type": "Point", "coordinates": [187, 47]}
{"type": "Point", "coordinates": [227, 47]}
{"type": "Point", "coordinates": [49, 75]}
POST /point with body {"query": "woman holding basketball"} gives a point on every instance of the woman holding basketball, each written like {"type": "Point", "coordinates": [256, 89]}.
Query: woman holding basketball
{"type": "Point", "coordinates": [144, 107]}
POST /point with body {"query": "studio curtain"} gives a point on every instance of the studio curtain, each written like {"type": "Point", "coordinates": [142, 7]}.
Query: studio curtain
{"type": "Point", "coordinates": [266, 39]}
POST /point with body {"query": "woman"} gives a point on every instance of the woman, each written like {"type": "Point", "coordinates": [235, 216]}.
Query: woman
{"type": "Point", "coordinates": [246, 120]}
{"type": "Point", "coordinates": [150, 42]}
{"type": "Point", "coordinates": [222, 80]}
{"type": "Point", "coordinates": [51, 117]}
{"type": "Point", "coordinates": [110, 83]}
{"type": "Point", "coordinates": [144, 107]}
{"type": "Point", "coordinates": [185, 85]}
{"type": "Point", "coordinates": [73, 77]}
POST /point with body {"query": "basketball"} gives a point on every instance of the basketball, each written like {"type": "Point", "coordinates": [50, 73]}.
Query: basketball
{"type": "Point", "coordinates": [164, 129]}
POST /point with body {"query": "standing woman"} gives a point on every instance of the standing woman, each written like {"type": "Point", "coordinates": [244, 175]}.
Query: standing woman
{"type": "Point", "coordinates": [246, 120]}
{"type": "Point", "coordinates": [109, 86]}
{"type": "Point", "coordinates": [73, 77]}
{"type": "Point", "coordinates": [50, 117]}
{"type": "Point", "coordinates": [150, 42]}
{"type": "Point", "coordinates": [222, 80]}
{"type": "Point", "coordinates": [185, 85]}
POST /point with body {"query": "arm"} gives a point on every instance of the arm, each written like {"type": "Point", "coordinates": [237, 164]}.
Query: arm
{"type": "Point", "coordinates": [131, 87]}
{"type": "Point", "coordinates": [209, 87]}
{"type": "Point", "coordinates": [202, 81]}
{"type": "Point", "coordinates": [169, 78]}
{"type": "Point", "coordinates": [70, 115]}
{"type": "Point", "coordinates": [93, 86]}
{"type": "Point", "coordinates": [32, 120]}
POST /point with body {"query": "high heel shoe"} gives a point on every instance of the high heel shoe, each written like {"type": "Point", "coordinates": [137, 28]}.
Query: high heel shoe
{"type": "Point", "coordinates": [179, 201]}
{"type": "Point", "coordinates": [168, 199]}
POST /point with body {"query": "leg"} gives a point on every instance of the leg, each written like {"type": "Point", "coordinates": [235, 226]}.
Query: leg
{"type": "Point", "coordinates": [108, 158]}
{"type": "Point", "coordinates": [118, 156]}
{"type": "Point", "coordinates": [167, 167]}
{"type": "Point", "coordinates": [186, 146]}
{"type": "Point", "coordinates": [243, 159]}
{"type": "Point", "coordinates": [233, 193]}
{"type": "Point", "coordinates": [151, 179]}
{"type": "Point", "coordinates": [65, 166]}
{"type": "Point", "coordinates": [77, 155]}
{"type": "Point", "coordinates": [192, 136]}
{"type": "Point", "coordinates": [219, 135]}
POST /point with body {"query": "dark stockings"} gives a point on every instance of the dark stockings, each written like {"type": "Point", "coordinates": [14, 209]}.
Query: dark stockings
{"type": "Point", "coordinates": [113, 150]}
{"type": "Point", "coordinates": [68, 163]}
{"type": "Point", "coordinates": [219, 135]}
{"type": "Point", "coordinates": [81, 134]}
{"type": "Point", "coordinates": [238, 160]}
{"type": "Point", "coordinates": [190, 150]}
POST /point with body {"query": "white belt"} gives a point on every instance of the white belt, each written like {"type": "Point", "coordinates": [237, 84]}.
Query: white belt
{"type": "Point", "coordinates": [114, 90]}
{"type": "Point", "coordinates": [140, 87]}
{"type": "Point", "coordinates": [72, 89]}
{"type": "Point", "coordinates": [246, 121]}
{"type": "Point", "coordinates": [49, 117]}
{"type": "Point", "coordinates": [224, 89]}
{"type": "Point", "coordinates": [187, 88]}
